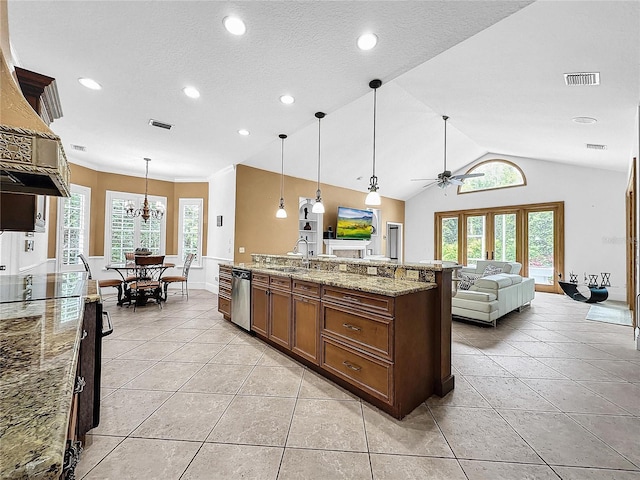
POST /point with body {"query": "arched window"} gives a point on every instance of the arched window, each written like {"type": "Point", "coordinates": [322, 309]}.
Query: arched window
{"type": "Point", "coordinates": [497, 174]}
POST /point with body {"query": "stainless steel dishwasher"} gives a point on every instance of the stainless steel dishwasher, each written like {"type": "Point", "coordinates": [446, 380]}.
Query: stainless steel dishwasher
{"type": "Point", "coordinates": [241, 298]}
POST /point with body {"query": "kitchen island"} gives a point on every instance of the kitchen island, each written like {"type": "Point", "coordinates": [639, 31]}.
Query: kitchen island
{"type": "Point", "coordinates": [381, 330]}
{"type": "Point", "coordinates": [46, 322]}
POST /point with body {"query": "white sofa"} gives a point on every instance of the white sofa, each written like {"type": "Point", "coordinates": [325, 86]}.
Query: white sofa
{"type": "Point", "coordinates": [492, 296]}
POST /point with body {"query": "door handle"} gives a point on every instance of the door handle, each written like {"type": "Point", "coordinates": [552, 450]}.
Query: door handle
{"type": "Point", "coordinates": [351, 366]}
{"type": "Point", "coordinates": [351, 327]}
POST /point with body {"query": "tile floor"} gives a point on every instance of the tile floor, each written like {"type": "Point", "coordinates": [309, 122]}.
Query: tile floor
{"type": "Point", "coordinates": [545, 395]}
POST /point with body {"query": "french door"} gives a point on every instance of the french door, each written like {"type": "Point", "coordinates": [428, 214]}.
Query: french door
{"type": "Point", "coordinates": [530, 234]}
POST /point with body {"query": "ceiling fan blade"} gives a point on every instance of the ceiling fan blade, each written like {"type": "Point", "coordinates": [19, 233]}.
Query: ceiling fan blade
{"type": "Point", "coordinates": [467, 175]}
{"type": "Point", "coordinates": [424, 179]}
{"type": "Point", "coordinates": [455, 181]}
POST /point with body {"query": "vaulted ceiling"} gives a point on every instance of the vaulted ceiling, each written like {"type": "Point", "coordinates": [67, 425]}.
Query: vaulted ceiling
{"type": "Point", "coordinates": [494, 67]}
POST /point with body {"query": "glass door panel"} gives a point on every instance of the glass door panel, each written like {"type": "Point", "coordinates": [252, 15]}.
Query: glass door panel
{"type": "Point", "coordinates": [475, 239]}
{"type": "Point", "coordinates": [449, 243]}
{"type": "Point", "coordinates": [540, 228]}
{"type": "Point", "coordinates": [504, 237]}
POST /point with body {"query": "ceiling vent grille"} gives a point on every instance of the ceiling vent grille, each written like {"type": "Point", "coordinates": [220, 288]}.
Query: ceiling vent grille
{"type": "Point", "coordinates": [80, 148]}
{"type": "Point", "coordinates": [596, 146]}
{"type": "Point", "coordinates": [582, 79]}
{"type": "Point", "coordinates": [156, 123]}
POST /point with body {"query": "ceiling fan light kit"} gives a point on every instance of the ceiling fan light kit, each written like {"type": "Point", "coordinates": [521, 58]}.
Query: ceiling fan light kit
{"type": "Point", "coordinates": [318, 207]}
{"type": "Point", "coordinates": [281, 213]}
{"type": "Point", "coordinates": [373, 197]}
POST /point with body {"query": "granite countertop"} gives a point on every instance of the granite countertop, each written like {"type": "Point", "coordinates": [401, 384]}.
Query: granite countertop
{"type": "Point", "coordinates": [391, 287]}
{"type": "Point", "coordinates": [39, 344]}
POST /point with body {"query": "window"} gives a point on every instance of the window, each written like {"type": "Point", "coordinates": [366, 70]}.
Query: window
{"type": "Point", "coordinates": [124, 234]}
{"type": "Point", "coordinates": [497, 174]}
{"type": "Point", "coordinates": [190, 229]}
{"type": "Point", "coordinates": [73, 227]}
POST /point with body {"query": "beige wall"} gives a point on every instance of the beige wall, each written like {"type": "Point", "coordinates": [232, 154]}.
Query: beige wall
{"type": "Point", "coordinates": [257, 195]}
{"type": "Point", "coordinates": [100, 182]}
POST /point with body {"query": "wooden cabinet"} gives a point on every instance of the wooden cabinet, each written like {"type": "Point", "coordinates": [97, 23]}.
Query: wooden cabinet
{"type": "Point", "coordinates": [260, 304]}
{"type": "Point", "coordinates": [20, 212]}
{"type": "Point", "coordinates": [271, 308]}
{"type": "Point", "coordinates": [305, 305]}
{"type": "Point", "coordinates": [224, 290]}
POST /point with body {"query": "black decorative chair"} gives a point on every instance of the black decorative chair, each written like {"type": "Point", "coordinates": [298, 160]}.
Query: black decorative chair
{"type": "Point", "coordinates": [110, 282]}
{"type": "Point", "coordinates": [183, 279]}
{"type": "Point", "coordinates": [147, 284]}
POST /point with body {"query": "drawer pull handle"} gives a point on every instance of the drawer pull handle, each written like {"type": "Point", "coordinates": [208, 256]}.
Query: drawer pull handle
{"type": "Point", "coordinates": [84, 335]}
{"type": "Point", "coordinates": [351, 299]}
{"type": "Point", "coordinates": [80, 384]}
{"type": "Point", "coordinates": [351, 327]}
{"type": "Point", "coordinates": [351, 366]}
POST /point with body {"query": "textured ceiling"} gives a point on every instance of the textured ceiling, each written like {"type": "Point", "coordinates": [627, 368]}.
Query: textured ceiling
{"type": "Point", "coordinates": [494, 67]}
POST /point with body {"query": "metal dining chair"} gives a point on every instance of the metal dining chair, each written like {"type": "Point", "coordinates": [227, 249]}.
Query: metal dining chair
{"type": "Point", "coordinates": [147, 283]}
{"type": "Point", "coordinates": [110, 282]}
{"type": "Point", "coordinates": [183, 279]}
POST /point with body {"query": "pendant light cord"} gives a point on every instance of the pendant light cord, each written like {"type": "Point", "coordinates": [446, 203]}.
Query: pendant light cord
{"type": "Point", "coordinates": [375, 102]}
{"type": "Point", "coordinates": [319, 118]}
{"type": "Point", "coordinates": [282, 167]}
{"type": "Point", "coordinates": [146, 179]}
{"type": "Point", "coordinates": [445, 118]}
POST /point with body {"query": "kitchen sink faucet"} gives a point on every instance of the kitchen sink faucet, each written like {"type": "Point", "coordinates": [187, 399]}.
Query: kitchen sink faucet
{"type": "Point", "coordinates": [305, 262]}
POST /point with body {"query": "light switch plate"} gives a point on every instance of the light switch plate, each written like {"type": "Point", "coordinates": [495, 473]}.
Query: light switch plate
{"type": "Point", "coordinates": [413, 274]}
{"type": "Point", "coordinates": [372, 271]}
{"type": "Point", "coordinates": [342, 267]}
{"type": "Point", "coordinates": [240, 249]}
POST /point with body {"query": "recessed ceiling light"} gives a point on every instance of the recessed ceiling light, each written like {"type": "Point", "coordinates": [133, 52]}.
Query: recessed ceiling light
{"type": "Point", "coordinates": [243, 132]}
{"type": "Point", "coordinates": [191, 92]}
{"type": "Point", "coordinates": [89, 83]}
{"type": "Point", "coordinates": [234, 25]}
{"type": "Point", "coordinates": [585, 120]}
{"type": "Point", "coordinates": [287, 99]}
{"type": "Point", "coordinates": [367, 41]}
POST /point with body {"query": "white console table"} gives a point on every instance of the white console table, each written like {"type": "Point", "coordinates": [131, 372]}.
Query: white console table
{"type": "Point", "coordinates": [337, 244]}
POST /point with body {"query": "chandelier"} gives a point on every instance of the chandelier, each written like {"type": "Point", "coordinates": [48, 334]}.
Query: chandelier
{"type": "Point", "coordinates": [145, 212]}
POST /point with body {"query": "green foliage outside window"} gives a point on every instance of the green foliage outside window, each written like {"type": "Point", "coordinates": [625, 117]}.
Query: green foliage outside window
{"type": "Point", "coordinates": [497, 174]}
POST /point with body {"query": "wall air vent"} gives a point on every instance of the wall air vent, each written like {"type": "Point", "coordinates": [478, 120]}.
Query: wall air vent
{"type": "Point", "coordinates": [156, 123]}
{"type": "Point", "coordinates": [79, 148]}
{"type": "Point", "coordinates": [582, 79]}
{"type": "Point", "coordinates": [596, 146]}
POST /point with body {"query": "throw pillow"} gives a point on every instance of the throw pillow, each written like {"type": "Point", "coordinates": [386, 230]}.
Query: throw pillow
{"type": "Point", "coordinates": [491, 270]}
{"type": "Point", "coordinates": [466, 280]}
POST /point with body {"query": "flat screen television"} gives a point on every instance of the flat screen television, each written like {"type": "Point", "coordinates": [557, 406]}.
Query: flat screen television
{"type": "Point", "coordinates": [354, 223]}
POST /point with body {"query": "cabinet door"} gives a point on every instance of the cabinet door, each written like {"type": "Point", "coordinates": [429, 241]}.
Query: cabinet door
{"type": "Point", "coordinates": [259, 309]}
{"type": "Point", "coordinates": [306, 327]}
{"type": "Point", "coordinates": [280, 318]}
{"type": "Point", "coordinates": [87, 370]}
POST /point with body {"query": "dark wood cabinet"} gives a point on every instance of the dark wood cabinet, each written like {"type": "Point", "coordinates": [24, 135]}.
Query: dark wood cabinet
{"type": "Point", "coordinates": [224, 291]}
{"type": "Point", "coordinates": [305, 305]}
{"type": "Point", "coordinates": [88, 370]}
{"type": "Point", "coordinates": [260, 304]}
{"type": "Point", "coordinates": [280, 311]}
{"type": "Point", "coordinates": [20, 212]}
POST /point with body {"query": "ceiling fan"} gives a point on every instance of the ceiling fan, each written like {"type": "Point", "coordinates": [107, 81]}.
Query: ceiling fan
{"type": "Point", "coordinates": [445, 178]}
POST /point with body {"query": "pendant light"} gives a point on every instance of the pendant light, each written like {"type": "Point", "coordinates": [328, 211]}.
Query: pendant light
{"type": "Point", "coordinates": [318, 207]}
{"type": "Point", "coordinates": [373, 197]}
{"type": "Point", "coordinates": [281, 213]}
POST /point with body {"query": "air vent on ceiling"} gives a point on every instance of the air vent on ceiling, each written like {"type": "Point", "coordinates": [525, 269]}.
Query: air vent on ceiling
{"type": "Point", "coordinates": [156, 123]}
{"type": "Point", "coordinates": [596, 146]}
{"type": "Point", "coordinates": [80, 148]}
{"type": "Point", "coordinates": [582, 79]}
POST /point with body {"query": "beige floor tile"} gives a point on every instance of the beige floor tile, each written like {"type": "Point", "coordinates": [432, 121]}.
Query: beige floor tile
{"type": "Point", "coordinates": [227, 462]}
{"type": "Point", "coordinates": [218, 379]}
{"type": "Point", "coordinates": [560, 441]}
{"type": "Point", "coordinates": [497, 347]}
{"type": "Point", "coordinates": [623, 369]}
{"type": "Point", "coordinates": [94, 450]}
{"type": "Point", "coordinates": [152, 350]}
{"type": "Point", "coordinates": [548, 336]}
{"type": "Point", "coordinates": [620, 433]}
{"type": "Point", "coordinates": [273, 358]}
{"type": "Point", "coordinates": [623, 394]}
{"type": "Point", "coordinates": [415, 434]}
{"type": "Point", "coordinates": [215, 335]}
{"type": "Point", "coordinates": [273, 381]}
{"type": "Point", "coordinates": [540, 350]}
{"type": "Point", "coordinates": [316, 386]}
{"type": "Point", "coordinates": [138, 458]}
{"type": "Point", "coordinates": [625, 351]}
{"type": "Point", "coordinates": [267, 424]}
{"type": "Point", "coordinates": [464, 347]}
{"type": "Point", "coordinates": [143, 333]}
{"type": "Point", "coordinates": [463, 395]}
{"type": "Point", "coordinates": [239, 354]}
{"type": "Point", "coordinates": [509, 393]}
{"type": "Point", "coordinates": [396, 467]}
{"type": "Point", "coordinates": [574, 473]}
{"type": "Point", "coordinates": [527, 367]}
{"type": "Point", "coordinates": [300, 464]}
{"type": "Point", "coordinates": [185, 416]}
{"type": "Point", "coordinates": [180, 334]}
{"type": "Point", "coordinates": [572, 397]}
{"type": "Point", "coordinates": [200, 322]}
{"type": "Point", "coordinates": [481, 434]}
{"type": "Point", "coordinates": [169, 376]}
{"type": "Point", "coordinates": [118, 372]}
{"type": "Point", "coordinates": [582, 351]}
{"type": "Point", "coordinates": [328, 425]}
{"type": "Point", "coordinates": [105, 392]}
{"type": "Point", "coordinates": [194, 352]}
{"type": "Point", "coordinates": [478, 365]}
{"type": "Point", "coordinates": [477, 470]}
{"type": "Point", "coordinates": [116, 347]}
{"type": "Point", "coordinates": [576, 369]}
{"type": "Point", "coordinates": [123, 410]}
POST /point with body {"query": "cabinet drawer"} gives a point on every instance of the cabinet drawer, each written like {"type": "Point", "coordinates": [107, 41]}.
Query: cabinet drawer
{"type": "Point", "coordinates": [224, 305]}
{"type": "Point", "coordinates": [306, 288]}
{"type": "Point", "coordinates": [365, 331]}
{"type": "Point", "coordinates": [366, 301]}
{"type": "Point", "coordinates": [282, 283]}
{"type": "Point", "coordinates": [367, 373]}
{"type": "Point", "coordinates": [224, 292]}
{"type": "Point", "coordinates": [260, 278]}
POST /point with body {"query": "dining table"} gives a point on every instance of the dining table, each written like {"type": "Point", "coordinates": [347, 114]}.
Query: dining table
{"type": "Point", "coordinates": [130, 272]}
